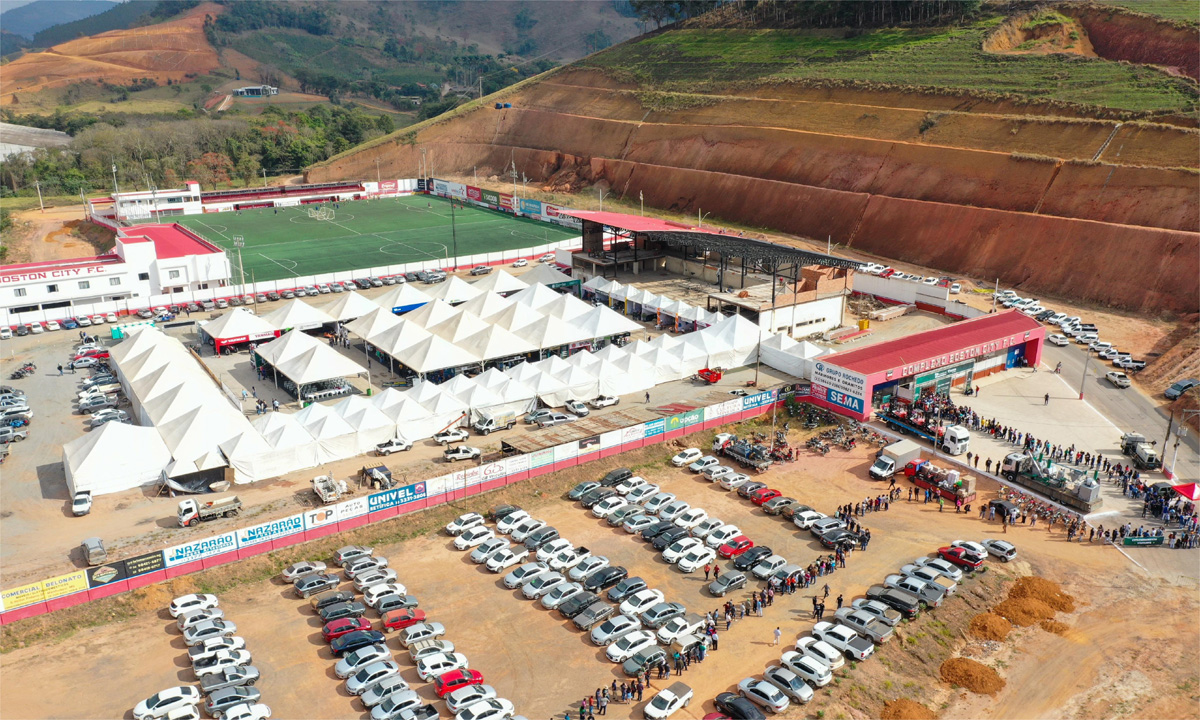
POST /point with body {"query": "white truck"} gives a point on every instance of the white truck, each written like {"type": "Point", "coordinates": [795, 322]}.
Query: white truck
{"type": "Point", "coordinates": [490, 423]}
{"type": "Point", "coordinates": [893, 458]}
{"type": "Point", "coordinates": [192, 512]}
{"type": "Point", "coordinates": [328, 489]}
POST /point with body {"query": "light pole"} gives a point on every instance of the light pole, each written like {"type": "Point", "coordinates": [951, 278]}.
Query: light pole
{"type": "Point", "coordinates": [700, 218]}
{"type": "Point", "coordinates": [642, 202]}
{"type": "Point", "coordinates": [239, 242]}
{"type": "Point", "coordinates": [154, 203]}
{"type": "Point", "coordinates": [1083, 380]}
{"type": "Point", "coordinates": [602, 195]}
{"type": "Point", "coordinates": [453, 234]}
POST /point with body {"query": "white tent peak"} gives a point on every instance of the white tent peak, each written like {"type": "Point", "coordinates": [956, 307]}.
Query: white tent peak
{"type": "Point", "coordinates": [348, 306]}
{"type": "Point", "coordinates": [500, 281]}
{"type": "Point", "coordinates": [298, 314]}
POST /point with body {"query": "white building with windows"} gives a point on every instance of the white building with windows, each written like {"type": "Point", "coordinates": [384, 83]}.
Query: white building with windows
{"type": "Point", "coordinates": [150, 204]}
{"type": "Point", "coordinates": [147, 261]}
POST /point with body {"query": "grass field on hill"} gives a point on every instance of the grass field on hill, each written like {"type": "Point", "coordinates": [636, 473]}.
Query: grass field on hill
{"type": "Point", "coordinates": [942, 58]}
{"type": "Point", "coordinates": [1185, 10]}
{"type": "Point", "coordinates": [365, 234]}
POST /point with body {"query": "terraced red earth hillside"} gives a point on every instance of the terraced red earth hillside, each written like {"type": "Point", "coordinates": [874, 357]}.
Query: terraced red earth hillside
{"type": "Point", "coordinates": [1049, 198]}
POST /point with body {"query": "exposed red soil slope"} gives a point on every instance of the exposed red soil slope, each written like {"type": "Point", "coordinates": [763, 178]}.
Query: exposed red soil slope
{"type": "Point", "coordinates": [169, 50]}
{"type": "Point", "coordinates": [990, 189]}
{"type": "Point", "coordinates": [1119, 35]}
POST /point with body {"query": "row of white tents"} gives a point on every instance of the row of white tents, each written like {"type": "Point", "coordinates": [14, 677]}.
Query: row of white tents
{"type": "Point", "coordinates": [638, 300]}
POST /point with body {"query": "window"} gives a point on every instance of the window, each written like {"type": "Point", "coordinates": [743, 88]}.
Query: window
{"type": "Point", "coordinates": [114, 281]}
{"type": "Point", "coordinates": [172, 274]}
{"type": "Point", "coordinates": [85, 284]}
{"type": "Point", "coordinates": [51, 288]}
{"type": "Point", "coordinates": [19, 292]}
{"type": "Point", "coordinates": [143, 276]}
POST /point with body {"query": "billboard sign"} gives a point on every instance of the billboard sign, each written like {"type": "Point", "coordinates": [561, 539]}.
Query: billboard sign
{"type": "Point", "coordinates": [474, 193]}
{"type": "Point", "coordinates": [389, 187]}
{"type": "Point", "coordinates": [687, 419]}
{"type": "Point", "coordinates": [508, 202]}
{"type": "Point", "coordinates": [144, 564]}
{"type": "Point", "coordinates": [838, 398]}
{"type": "Point", "coordinates": [64, 585]}
{"type": "Point", "coordinates": [106, 574]}
{"type": "Point", "coordinates": [490, 197]}
{"type": "Point", "coordinates": [396, 496]}
{"type": "Point", "coordinates": [201, 549]}
{"type": "Point", "coordinates": [655, 427]}
{"type": "Point", "coordinates": [531, 207]}
{"type": "Point", "coordinates": [758, 400]}
{"type": "Point", "coordinates": [268, 531]}
{"type": "Point", "coordinates": [457, 190]}
{"type": "Point", "coordinates": [633, 434]}
{"type": "Point", "coordinates": [440, 187]}
{"type": "Point", "coordinates": [518, 464]}
{"type": "Point", "coordinates": [836, 378]}
{"type": "Point", "coordinates": [541, 458]}
{"type": "Point", "coordinates": [320, 517]}
{"type": "Point", "coordinates": [23, 596]}
{"type": "Point", "coordinates": [352, 508]}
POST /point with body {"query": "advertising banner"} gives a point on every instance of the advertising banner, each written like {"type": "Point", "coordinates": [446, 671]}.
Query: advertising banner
{"type": "Point", "coordinates": [541, 458]}
{"type": "Point", "coordinates": [106, 574]}
{"type": "Point", "coordinates": [612, 438]}
{"type": "Point", "coordinates": [473, 476]}
{"type": "Point", "coordinates": [314, 519]}
{"type": "Point", "coordinates": [440, 187]}
{"type": "Point", "coordinates": [396, 496]}
{"type": "Point", "coordinates": [508, 202]}
{"type": "Point", "coordinates": [589, 445]}
{"type": "Point", "coordinates": [268, 531]}
{"type": "Point", "coordinates": [490, 197]}
{"type": "Point", "coordinates": [457, 190]}
{"type": "Point", "coordinates": [730, 407]}
{"type": "Point", "coordinates": [494, 471]}
{"type": "Point", "coordinates": [518, 464]}
{"type": "Point", "coordinates": [531, 207]}
{"type": "Point", "coordinates": [422, 185]}
{"type": "Point", "coordinates": [565, 451]}
{"type": "Point", "coordinates": [633, 434]}
{"type": "Point", "coordinates": [20, 597]}
{"type": "Point", "coordinates": [144, 564]}
{"type": "Point", "coordinates": [655, 427]}
{"type": "Point", "coordinates": [389, 187]}
{"type": "Point", "coordinates": [474, 193]}
{"type": "Point", "coordinates": [352, 509]}
{"type": "Point", "coordinates": [200, 549]}
{"type": "Point", "coordinates": [836, 378]}
{"type": "Point", "coordinates": [758, 400]}
{"type": "Point", "coordinates": [68, 584]}
{"type": "Point", "coordinates": [837, 397]}
{"type": "Point", "coordinates": [687, 419]}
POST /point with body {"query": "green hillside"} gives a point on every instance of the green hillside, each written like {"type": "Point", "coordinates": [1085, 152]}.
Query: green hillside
{"type": "Point", "coordinates": [946, 58]}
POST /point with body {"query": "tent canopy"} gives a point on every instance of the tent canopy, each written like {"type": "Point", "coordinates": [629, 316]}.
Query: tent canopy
{"type": "Point", "coordinates": [1191, 491]}
{"type": "Point", "coordinates": [535, 297]}
{"type": "Point", "coordinates": [402, 298]}
{"type": "Point", "coordinates": [454, 290]}
{"type": "Point", "coordinates": [500, 281]}
{"type": "Point", "coordinates": [432, 313]}
{"type": "Point", "coordinates": [486, 305]}
{"type": "Point", "coordinates": [435, 353]}
{"type": "Point", "coordinates": [348, 306]}
{"type": "Point", "coordinates": [114, 457]}
{"type": "Point", "coordinates": [495, 342]}
{"type": "Point", "coordinates": [298, 315]}
{"type": "Point", "coordinates": [238, 325]}
{"type": "Point", "coordinates": [373, 322]}
{"type": "Point", "coordinates": [546, 275]}
{"type": "Point", "coordinates": [304, 359]}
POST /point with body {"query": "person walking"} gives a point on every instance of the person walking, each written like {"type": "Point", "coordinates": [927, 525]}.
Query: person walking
{"type": "Point", "coordinates": [707, 567]}
{"type": "Point", "coordinates": [1047, 402]}
{"type": "Point", "coordinates": [60, 372]}
{"type": "Point", "coordinates": [778, 635]}
{"type": "Point", "coordinates": [647, 398]}
{"type": "Point", "coordinates": [839, 601]}
{"type": "Point", "coordinates": [826, 589]}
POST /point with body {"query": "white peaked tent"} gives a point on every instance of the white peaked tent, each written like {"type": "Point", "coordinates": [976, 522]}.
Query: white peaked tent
{"type": "Point", "coordinates": [709, 345]}
{"type": "Point", "coordinates": [582, 384]}
{"type": "Point", "coordinates": [609, 352]}
{"type": "Point", "coordinates": [348, 306]}
{"type": "Point", "coordinates": [667, 364]}
{"type": "Point", "coordinates": [400, 337]}
{"type": "Point", "coordinates": [114, 457]}
{"type": "Point", "coordinates": [546, 275]}
{"type": "Point", "coordinates": [638, 296]}
{"type": "Point", "coordinates": [602, 321]}
{"type": "Point", "coordinates": [461, 326]}
{"type": "Point", "coordinates": [567, 307]}
{"type": "Point", "coordinates": [650, 302]}
{"type": "Point", "coordinates": [524, 372]}
{"type": "Point", "coordinates": [493, 378]}
{"type": "Point", "coordinates": [434, 353]}
{"type": "Point", "coordinates": [486, 305]}
{"type": "Point", "coordinates": [633, 374]}
{"type": "Point", "coordinates": [423, 391]}
{"type": "Point", "coordinates": [499, 281]}
{"type": "Point", "coordinates": [496, 342]}
{"type": "Point", "coordinates": [333, 437]}
{"type": "Point", "coordinates": [293, 448]}
{"type": "Point", "coordinates": [432, 313]}
{"type": "Point", "coordinates": [669, 308]}
{"type": "Point", "coordinates": [477, 397]}
{"type": "Point", "coordinates": [371, 425]}
{"type": "Point", "coordinates": [535, 297]}
{"type": "Point", "coordinates": [641, 347]}
{"type": "Point", "coordinates": [553, 365]}
{"type": "Point", "coordinates": [284, 347]}
{"type": "Point", "coordinates": [454, 290]}
{"type": "Point", "coordinates": [550, 332]}
{"type": "Point", "coordinates": [297, 315]}
{"type": "Point", "coordinates": [517, 391]}
{"type": "Point", "coordinates": [596, 283]}
{"type": "Point", "coordinates": [780, 352]}
{"type": "Point", "coordinates": [238, 325]}
{"type": "Point", "coordinates": [740, 335]}
{"type": "Point", "coordinates": [550, 390]}
{"type": "Point", "coordinates": [586, 360]}
{"type": "Point", "coordinates": [693, 357]}
{"type": "Point", "coordinates": [413, 421]}
{"type": "Point", "coordinates": [372, 323]}
{"type": "Point", "coordinates": [619, 292]}
{"type": "Point", "coordinates": [457, 385]}
{"type": "Point", "coordinates": [666, 341]}
{"type": "Point", "coordinates": [445, 411]}
{"type": "Point", "coordinates": [304, 359]}
{"type": "Point", "coordinates": [174, 402]}
{"type": "Point", "coordinates": [247, 452]}
{"type": "Point", "coordinates": [693, 314]}
{"type": "Point", "coordinates": [515, 317]}
{"type": "Point", "coordinates": [402, 298]}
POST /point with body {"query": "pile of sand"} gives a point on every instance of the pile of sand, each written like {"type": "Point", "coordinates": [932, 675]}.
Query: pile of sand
{"type": "Point", "coordinates": [1024, 611]}
{"type": "Point", "coordinates": [989, 626]}
{"type": "Point", "coordinates": [1047, 591]}
{"type": "Point", "coordinates": [905, 709]}
{"type": "Point", "coordinates": [974, 676]}
{"type": "Point", "coordinates": [1054, 626]}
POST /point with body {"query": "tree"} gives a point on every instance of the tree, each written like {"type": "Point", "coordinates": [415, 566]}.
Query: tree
{"type": "Point", "coordinates": [248, 168]}
{"type": "Point", "coordinates": [211, 168]}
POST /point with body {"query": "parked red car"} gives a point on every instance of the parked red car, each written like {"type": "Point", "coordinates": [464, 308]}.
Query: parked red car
{"type": "Point", "coordinates": [337, 628]}
{"type": "Point", "coordinates": [98, 354]}
{"type": "Point", "coordinates": [735, 547]}
{"type": "Point", "coordinates": [447, 683]}
{"type": "Point", "coordinates": [961, 556]}
{"type": "Point", "coordinates": [400, 619]}
{"type": "Point", "coordinates": [761, 495]}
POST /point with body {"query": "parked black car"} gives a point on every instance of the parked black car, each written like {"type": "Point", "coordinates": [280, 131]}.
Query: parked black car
{"type": "Point", "coordinates": [738, 707]}
{"type": "Point", "coordinates": [337, 611]}
{"type": "Point", "coordinates": [906, 603]}
{"type": "Point", "coordinates": [615, 476]}
{"type": "Point", "coordinates": [597, 612]}
{"type": "Point", "coordinates": [355, 640]}
{"type": "Point", "coordinates": [625, 588]}
{"type": "Point", "coordinates": [576, 604]}
{"type": "Point", "coordinates": [664, 539]}
{"type": "Point", "coordinates": [540, 537]}
{"type": "Point", "coordinates": [592, 497]}
{"type": "Point", "coordinates": [604, 579]}
{"type": "Point", "coordinates": [657, 529]}
{"type": "Point", "coordinates": [752, 557]}
{"type": "Point", "coordinates": [502, 511]}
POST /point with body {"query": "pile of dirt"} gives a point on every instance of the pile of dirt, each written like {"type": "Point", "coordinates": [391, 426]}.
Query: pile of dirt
{"type": "Point", "coordinates": [1024, 611]}
{"type": "Point", "coordinates": [905, 709]}
{"type": "Point", "coordinates": [1047, 591]}
{"type": "Point", "coordinates": [1054, 626]}
{"type": "Point", "coordinates": [974, 676]}
{"type": "Point", "coordinates": [989, 626]}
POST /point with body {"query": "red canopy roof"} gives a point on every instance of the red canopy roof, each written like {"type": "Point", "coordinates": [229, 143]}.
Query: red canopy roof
{"type": "Point", "coordinates": [633, 223]}
{"type": "Point", "coordinates": [1191, 491]}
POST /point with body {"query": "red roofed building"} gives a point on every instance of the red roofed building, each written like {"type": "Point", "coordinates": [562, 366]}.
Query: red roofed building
{"type": "Point", "coordinates": [856, 381]}
{"type": "Point", "coordinates": [148, 265]}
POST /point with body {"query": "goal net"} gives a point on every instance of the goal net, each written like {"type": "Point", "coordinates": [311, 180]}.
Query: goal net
{"type": "Point", "coordinates": [320, 213]}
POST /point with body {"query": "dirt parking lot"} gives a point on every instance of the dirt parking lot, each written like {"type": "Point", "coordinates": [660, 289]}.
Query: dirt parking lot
{"type": "Point", "coordinates": [538, 660]}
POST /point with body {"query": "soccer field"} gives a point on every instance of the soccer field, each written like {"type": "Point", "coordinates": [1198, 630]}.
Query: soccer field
{"type": "Point", "coordinates": [285, 242]}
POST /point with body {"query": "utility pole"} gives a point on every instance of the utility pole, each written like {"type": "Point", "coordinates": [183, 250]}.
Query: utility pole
{"type": "Point", "coordinates": [642, 201]}
{"type": "Point", "coordinates": [41, 204]}
{"type": "Point", "coordinates": [480, 87]}
{"type": "Point", "coordinates": [453, 233]}
{"type": "Point", "coordinates": [154, 203]}
{"type": "Point", "coordinates": [1083, 380]}
{"type": "Point", "coordinates": [994, 292]}
{"type": "Point", "coordinates": [601, 193]}
{"type": "Point", "coordinates": [376, 171]}
{"type": "Point", "coordinates": [116, 194]}
{"type": "Point", "coordinates": [264, 172]}
{"type": "Point", "coordinates": [239, 242]}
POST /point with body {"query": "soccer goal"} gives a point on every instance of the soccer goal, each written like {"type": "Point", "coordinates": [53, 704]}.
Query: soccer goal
{"type": "Point", "coordinates": [320, 213]}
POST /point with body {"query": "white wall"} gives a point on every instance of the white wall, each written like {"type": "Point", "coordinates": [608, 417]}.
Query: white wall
{"type": "Point", "coordinates": [804, 319]}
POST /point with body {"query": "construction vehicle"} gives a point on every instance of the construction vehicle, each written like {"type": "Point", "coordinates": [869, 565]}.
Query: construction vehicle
{"type": "Point", "coordinates": [712, 376]}
{"type": "Point", "coordinates": [748, 454]}
{"type": "Point", "coordinates": [894, 457]}
{"type": "Point", "coordinates": [1062, 484]}
{"type": "Point", "coordinates": [377, 478]}
{"type": "Point", "coordinates": [328, 489]}
{"type": "Point", "coordinates": [950, 439]}
{"type": "Point", "coordinates": [191, 512]}
{"type": "Point", "coordinates": [1136, 446]}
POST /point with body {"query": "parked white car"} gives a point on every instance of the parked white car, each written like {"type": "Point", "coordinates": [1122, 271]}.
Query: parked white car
{"type": "Point", "coordinates": [687, 457]}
